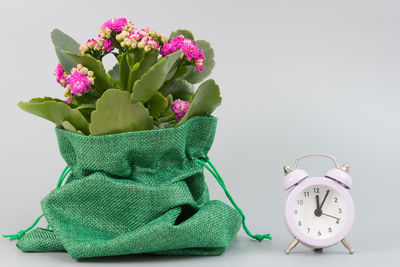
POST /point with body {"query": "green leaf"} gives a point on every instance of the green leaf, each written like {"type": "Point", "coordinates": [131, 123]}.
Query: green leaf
{"type": "Point", "coordinates": [66, 62]}
{"type": "Point", "coordinates": [152, 80]}
{"type": "Point", "coordinates": [170, 100]}
{"type": "Point", "coordinates": [86, 110]}
{"type": "Point", "coordinates": [115, 113]}
{"type": "Point", "coordinates": [205, 101]}
{"type": "Point", "coordinates": [168, 111]}
{"type": "Point", "coordinates": [158, 103]}
{"type": "Point", "coordinates": [114, 72]}
{"type": "Point", "coordinates": [86, 106]}
{"type": "Point", "coordinates": [147, 61]}
{"type": "Point", "coordinates": [209, 63]}
{"type": "Point", "coordinates": [130, 59]}
{"type": "Point", "coordinates": [184, 71]}
{"type": "Point", "coordinates": [88, 98]}
{"type": "Point", "coordinates": [123, 71]}
{"type": "Point", "coordinates": [180, 89]}
{"type": "Point", "coordinates": [103, 80]}
{"type": "Point", "coordinates": [64, 42]}
{"type": "Point", "coordinates": [187, 34]}
{"type": "Point", "coordinates": [56, 111]}
{"type": "Point", "coordinates": [69, 127]}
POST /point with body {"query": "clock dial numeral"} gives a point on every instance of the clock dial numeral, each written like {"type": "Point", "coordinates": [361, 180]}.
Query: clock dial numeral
{"type": "Point", "coordinates": [326, 223]}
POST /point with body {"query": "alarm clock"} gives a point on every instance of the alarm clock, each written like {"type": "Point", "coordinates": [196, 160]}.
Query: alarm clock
{"type": "Point", "coordinates": [319, 211]}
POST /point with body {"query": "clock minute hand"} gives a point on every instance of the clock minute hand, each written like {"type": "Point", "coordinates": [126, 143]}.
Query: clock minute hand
{"type": "Point", "coordinates": [323, 201]}
{"type": "Point", "coordinates": [331, 216]}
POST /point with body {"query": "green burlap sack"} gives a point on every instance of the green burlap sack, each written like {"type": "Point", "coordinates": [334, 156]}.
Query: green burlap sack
{"type": "Point", "coordinates": [136, 192]}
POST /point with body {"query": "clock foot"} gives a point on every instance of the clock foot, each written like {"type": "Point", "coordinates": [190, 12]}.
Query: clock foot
{"type": "Point", "coordinates": [318, 250]}
{"type": "Point", "coordinates": [292, 246]}
{"type": "Point", "coordinates": [347, 245]}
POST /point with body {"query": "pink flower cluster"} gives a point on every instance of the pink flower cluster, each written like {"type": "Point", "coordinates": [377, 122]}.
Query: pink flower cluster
{"type": "Point", "coordinates": [148, 43]}
{"type": "Point", "coordinates": [99, 47]}
{"type": "Point", "coordinates": [77, 83]}
{"type": "Point", "coordinates": [146, 39]}
{"type": "Point", "coordinates": [115, 25]}
{"type": "Point", "coordinates": [108, 44]}
{"type": "Point", "coordinates": [180, 107]}
{"type": "Point", "coordinates": [96, 46]}
{"type": "Point", "coordinates": [161, 38]}
{"type": "Point", "coordinates": [189, 48]}
{"type": "Point", "coordinates": [60, 75]}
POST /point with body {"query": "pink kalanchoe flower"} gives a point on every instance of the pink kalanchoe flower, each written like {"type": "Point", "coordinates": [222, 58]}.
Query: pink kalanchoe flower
{"type": "Point", "coordinates": [156, 35]}
{"type": "Point", "coordinates": [107, 43]}
{"type": "Point", "coordinates": [148, 43]}
{"type": "Point", "coordinates": [180, 107]}
{"type": "Point", "coordinates": [200, 64]}
{"type": "Point", "coordinates": [200, 58]}
{"type": "Point", "coordinates": [115, 24]}
{"type": "Point", "coordinates": [60, 75]}
{"type": "Point", "coordinates": [135, 35]}
{"type": "Point", "coordinates": [172, 46]}
{"type": "Point", "coordinates": [189, 48]}
{"type": "Point", "coordinates": [79, 83]}
{"type": "Point", "coordinates": [96, 47]}
{"type": "Point", "coordinates": [68, 101]}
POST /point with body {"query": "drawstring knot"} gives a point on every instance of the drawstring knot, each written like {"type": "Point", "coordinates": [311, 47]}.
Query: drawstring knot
{"type": "Point", "coordinates": [18, 235]}
{"type": "Point", "coordinates": [262, 237]}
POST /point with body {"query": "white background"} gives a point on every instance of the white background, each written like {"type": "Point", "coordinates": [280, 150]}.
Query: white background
{"type": "Point", "coordinates": [296, 77]}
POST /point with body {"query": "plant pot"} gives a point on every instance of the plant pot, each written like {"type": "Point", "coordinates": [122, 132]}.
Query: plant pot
{"type": "Point", "coordinates": [136, 192]}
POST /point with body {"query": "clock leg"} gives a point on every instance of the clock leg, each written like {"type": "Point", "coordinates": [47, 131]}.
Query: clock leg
{"type": "Point", "coordinates": [292, 246]}
{"type": "Point", "coordinates": [347, 245]}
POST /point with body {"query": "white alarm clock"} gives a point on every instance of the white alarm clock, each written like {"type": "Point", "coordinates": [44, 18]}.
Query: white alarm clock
{"type": "Point", "coordinates": [319, 211]}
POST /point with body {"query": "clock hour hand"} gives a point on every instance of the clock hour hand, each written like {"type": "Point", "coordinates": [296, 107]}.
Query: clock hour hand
{"type": "Point", "coordinates": [317, 211]}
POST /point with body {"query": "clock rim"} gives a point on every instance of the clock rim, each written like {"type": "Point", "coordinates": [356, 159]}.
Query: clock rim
{"type": "Point", "coordinates": [291, 224]}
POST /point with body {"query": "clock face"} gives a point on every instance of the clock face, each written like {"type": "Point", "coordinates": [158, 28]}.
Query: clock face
{"type": "Point", "coordinates": [319, 212]}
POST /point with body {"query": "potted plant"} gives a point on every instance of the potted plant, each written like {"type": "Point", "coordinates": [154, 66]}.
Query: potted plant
{"type": "Point", "coordinates": [135, 139]}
